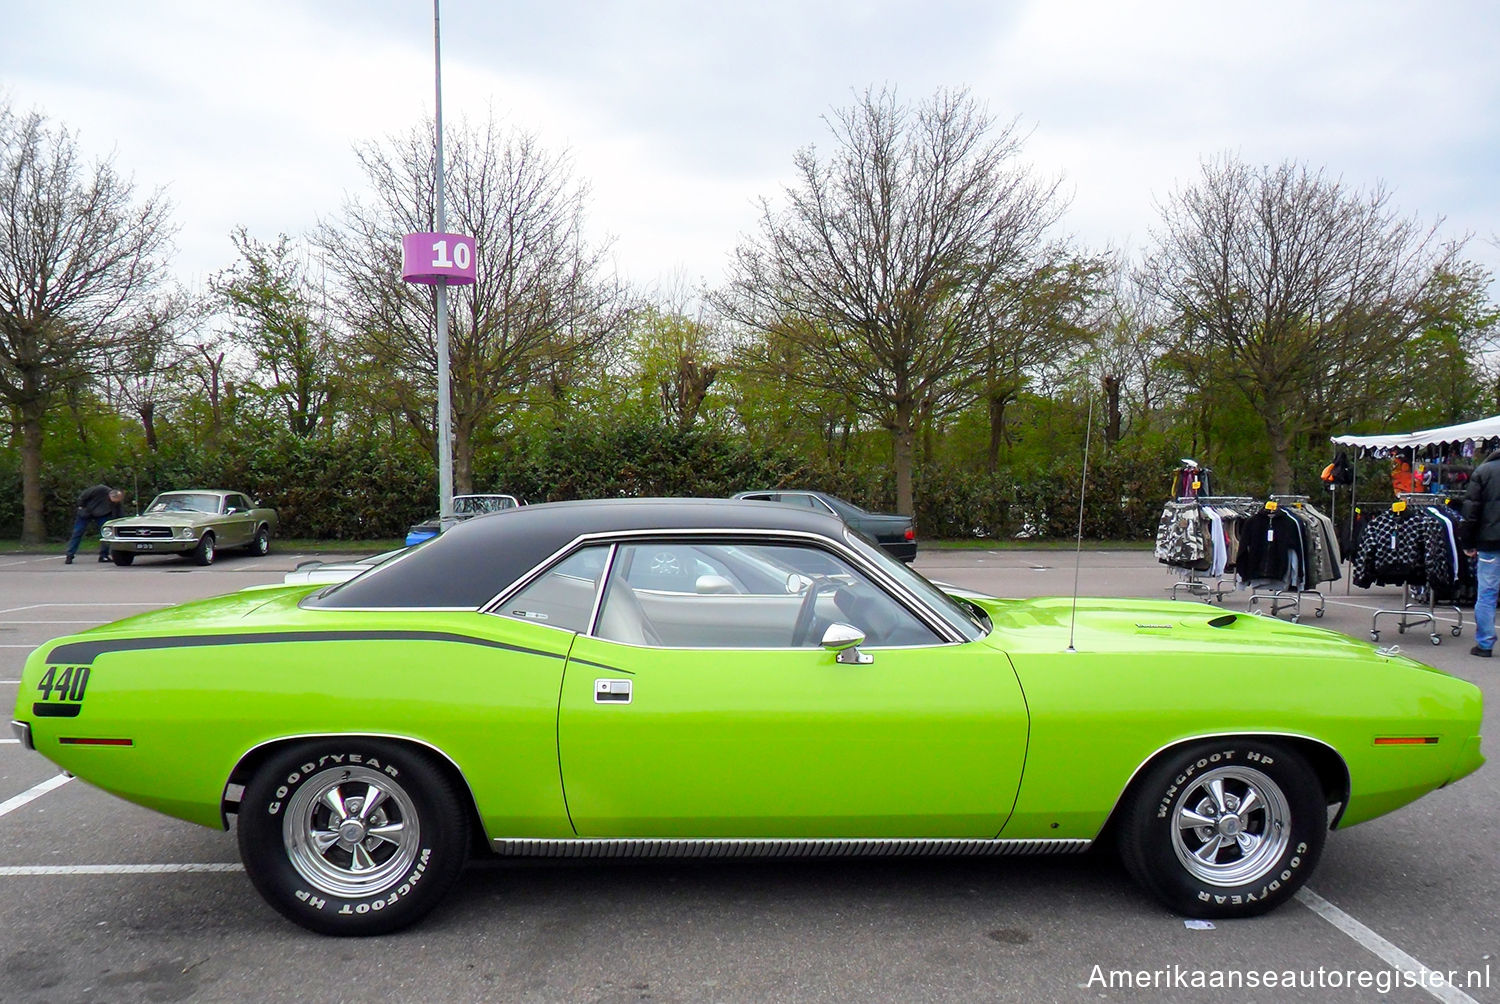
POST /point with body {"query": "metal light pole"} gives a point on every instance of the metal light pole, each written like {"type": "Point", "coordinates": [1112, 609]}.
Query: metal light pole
{"type": "Point", "coordinates": [444, 392]}
{"type": "Point", "coordinates": [440, 259]}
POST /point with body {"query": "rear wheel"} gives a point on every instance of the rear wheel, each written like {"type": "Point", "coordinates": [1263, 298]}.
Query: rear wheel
{"type": "Point", "coordinates": [1225, 829]}
{"type": "Point", "coordinates": [352, 836]}
{"type": "Point", "coordinates": [261, 545]}
{"type": "Point", "coordinates": [121, 557]}
{"type": "Point", "coordinates": [203, 554]}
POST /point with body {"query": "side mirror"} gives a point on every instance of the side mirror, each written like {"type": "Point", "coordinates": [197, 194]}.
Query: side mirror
{"type": "Point", "coordinates": [713, 584]}
{"type": "Point", "coordinates": [845, 640]}
{"type": "Point", "coordinates": [797, 583]}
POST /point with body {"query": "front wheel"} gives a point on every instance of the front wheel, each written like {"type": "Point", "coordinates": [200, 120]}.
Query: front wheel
{"type": "Point", "coordinates": [203, 554]}
{"type": "Point", "coordinates": [1225, 829]}
{"type": "Point", "coordinates": [353, 836]}
{"type": "Point", "coordinates": [122, 557]}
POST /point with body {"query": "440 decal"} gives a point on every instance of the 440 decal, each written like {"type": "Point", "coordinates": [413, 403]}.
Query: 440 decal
{"type": "Point", "coordinates": [61, 689]}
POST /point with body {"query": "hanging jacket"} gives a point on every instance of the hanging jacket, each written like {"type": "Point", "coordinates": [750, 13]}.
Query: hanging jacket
{"type": "Point", "coordinates": [1267, 539]}
{"type": "Point", "coordinates": [1392, 551]}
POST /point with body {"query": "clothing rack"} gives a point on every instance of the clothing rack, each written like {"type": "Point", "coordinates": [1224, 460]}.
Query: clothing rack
{"type": "Point", "coordinates": [1418, 603]}
{"type": "Point", "coordinates": [1288, 599]}
{"type": "Point", "coordinates": [1192, 580]}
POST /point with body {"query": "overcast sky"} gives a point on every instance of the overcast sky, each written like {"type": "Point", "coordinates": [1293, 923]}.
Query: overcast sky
{"type": "Point", "coordinates": [679, 115]}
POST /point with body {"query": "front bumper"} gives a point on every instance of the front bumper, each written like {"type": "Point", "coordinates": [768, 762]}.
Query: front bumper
{"type": "Point", "coordinates": [23, 733]}
{"type": "Point", "coordinates": [158, 545]}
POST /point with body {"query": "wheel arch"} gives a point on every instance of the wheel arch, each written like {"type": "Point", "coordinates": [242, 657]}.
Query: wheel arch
{"type": "Point", "coordinates": [1332, 771]}
{"type": "Point", "coordinates": [252, 760]}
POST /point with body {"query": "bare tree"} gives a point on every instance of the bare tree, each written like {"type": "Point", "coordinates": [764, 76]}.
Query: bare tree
{"type": "Point", "coordinates": [1292, 287]}
{"type": "Point", "coordinates": [1126, 359]}
{"type": "Point", "coordinates": [146, 369]}
{"type": "Point", "coordinates": [1034, 318]}
{"type": "Point", "coordinates": [79, 257]}
{"type": "Point", "coordinates": [541, 298]}
{"type": "Point", "coordinates": [879, 264]}
{"type": "Point", "coordinates": [267, 295]}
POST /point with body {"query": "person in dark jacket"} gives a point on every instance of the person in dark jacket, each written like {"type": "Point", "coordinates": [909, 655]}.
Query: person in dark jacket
{"type": "Point", "coordinates": [95, 505]}
{"type": "Point", "coordinates": [1482, 540]}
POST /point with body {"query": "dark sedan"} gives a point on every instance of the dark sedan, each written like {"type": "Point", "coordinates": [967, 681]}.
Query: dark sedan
{"type": "Point", "coordinates": [895, 534]}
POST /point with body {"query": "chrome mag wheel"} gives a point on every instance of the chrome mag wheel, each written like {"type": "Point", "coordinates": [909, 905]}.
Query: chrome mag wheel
{"type": "Point", "coordinates": [1230, 826]}
{"type": "Point", "coordinates": [351, 832]}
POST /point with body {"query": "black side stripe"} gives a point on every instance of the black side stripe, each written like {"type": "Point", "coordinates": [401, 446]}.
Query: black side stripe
{"type": "Point", "coordinates": [83, 653]}
{"type": "Point", "coordinates": [41, 710]}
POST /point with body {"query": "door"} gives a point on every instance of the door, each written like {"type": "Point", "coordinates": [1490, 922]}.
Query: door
{"type": "Point", "coordinates": [672, 726]}
{"type": "Point", "coordinates": [237, 527]}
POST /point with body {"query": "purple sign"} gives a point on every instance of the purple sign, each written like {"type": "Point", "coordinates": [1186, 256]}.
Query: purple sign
{"type": "Point", "coordinates": [429, 258]}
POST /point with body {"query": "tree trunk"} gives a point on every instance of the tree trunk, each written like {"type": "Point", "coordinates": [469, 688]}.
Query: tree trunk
{"type": "Point", "coordinates": [33, 525]}
{"type": "Point", "coordinates": [148, 422]}
{"type": "Point", "coordinates": [901, 442]}
{"type": "Point", "coordinates": [463, 458]}
{"type": "Point", "coordinates": [1112, 410]}
{"type": "Point", "coordinates": [1281, 456]}
{"type": "Point", "coordinates": [997, 404]}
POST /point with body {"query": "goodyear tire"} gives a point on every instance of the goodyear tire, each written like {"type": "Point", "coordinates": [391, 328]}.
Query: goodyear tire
{"type": "Point", "coordinates": [203, 554]}
{"type": "Point", "coordinates": [352, 836]}
{"type": "Point", "coordinates": [261, 545]}
{"type": "Point", "coordinates": [1225, 829]}
{"type": "Point", "coordinates": [122, 557]}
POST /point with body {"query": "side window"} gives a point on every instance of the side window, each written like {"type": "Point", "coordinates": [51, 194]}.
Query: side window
{"type": "Point", "coordinates": [746, 595]}
{"type": "Point", "coordinates": [563, 596]}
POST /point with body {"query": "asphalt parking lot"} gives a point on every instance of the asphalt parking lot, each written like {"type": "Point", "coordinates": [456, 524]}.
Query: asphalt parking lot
{"type": "Point", "coordinates": [101, 900]}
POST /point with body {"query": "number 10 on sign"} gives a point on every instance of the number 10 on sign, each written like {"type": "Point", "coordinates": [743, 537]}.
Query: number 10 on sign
{"type": "Point", "coordinates": [432, 258]}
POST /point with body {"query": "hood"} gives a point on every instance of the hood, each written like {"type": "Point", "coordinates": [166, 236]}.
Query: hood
{"type": "Point", "coordinates": [1162, 626]}
{"type": "Point", "coordinates": [163, 519]}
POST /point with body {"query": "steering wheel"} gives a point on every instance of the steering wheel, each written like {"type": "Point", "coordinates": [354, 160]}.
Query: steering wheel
{"type": "Point", "coordinates": [807, 613]}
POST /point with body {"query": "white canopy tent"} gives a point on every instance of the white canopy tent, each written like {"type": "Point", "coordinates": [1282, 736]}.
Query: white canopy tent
{"type": "Point", "coordinates": [1484, 428]}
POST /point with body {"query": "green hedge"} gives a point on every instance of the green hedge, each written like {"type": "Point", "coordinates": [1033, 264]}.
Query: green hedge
{"type": "Point", "coordinates": [372, 487]}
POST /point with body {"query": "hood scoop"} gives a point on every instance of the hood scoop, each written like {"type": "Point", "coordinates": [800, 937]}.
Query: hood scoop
{"type": "Point", "coordinates": [1223, 620]}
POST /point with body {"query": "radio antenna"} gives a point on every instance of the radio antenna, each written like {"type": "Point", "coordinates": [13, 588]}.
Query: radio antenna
{"type": "Point", "coordinates": [1083, 487]}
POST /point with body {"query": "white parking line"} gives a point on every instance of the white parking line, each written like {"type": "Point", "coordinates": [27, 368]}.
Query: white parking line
{"type": "Point", "coordinates": [9, 740]}
{"type": "Point", "coordinates": [22, 870]}
{"type": "Point", "coordinates": [51, 622]}
{"type": "Point", "coordinates": [1433, 982]}
{"type": "Point", "coordinates": [38, 606]}
{"type": "Point", "coordinates": [35, 792]}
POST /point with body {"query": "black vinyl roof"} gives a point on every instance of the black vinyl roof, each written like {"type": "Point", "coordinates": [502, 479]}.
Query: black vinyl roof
{"type": "Point", "coordinates": [477, 558]}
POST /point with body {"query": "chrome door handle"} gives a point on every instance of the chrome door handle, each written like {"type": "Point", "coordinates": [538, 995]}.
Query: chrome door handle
{"type": "Point", "coordinates": [612, 691]}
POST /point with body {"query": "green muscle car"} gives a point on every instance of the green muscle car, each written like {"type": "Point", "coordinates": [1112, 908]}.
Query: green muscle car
{"type": "Point", "coordinates": [192, 523]}
{"type": "Point", "coordinates": [718, 678]}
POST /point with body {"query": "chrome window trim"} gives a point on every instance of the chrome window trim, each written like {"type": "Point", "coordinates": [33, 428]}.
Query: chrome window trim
{"type": "Point", "coordinates": [801, 847]}
{"type": "Point", "coordinates": [907, 599]}
{"type": "Point", "coordinates": [604, 574]}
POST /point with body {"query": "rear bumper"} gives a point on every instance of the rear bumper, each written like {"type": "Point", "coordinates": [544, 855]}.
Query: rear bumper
{"type": "Point", "coordinates": [901, 550]}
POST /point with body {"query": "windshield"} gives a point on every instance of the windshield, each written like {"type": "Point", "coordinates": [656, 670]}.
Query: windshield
{"type": "Point", "coordinates": [184, 502]}
{"type": "Point", "coordinates": [956, 614]}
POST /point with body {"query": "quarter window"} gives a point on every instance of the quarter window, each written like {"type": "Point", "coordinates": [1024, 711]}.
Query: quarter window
{"type": "Point", "coordinates": [563, 597]}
